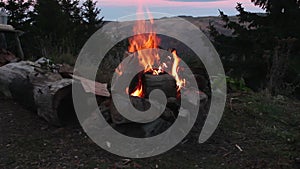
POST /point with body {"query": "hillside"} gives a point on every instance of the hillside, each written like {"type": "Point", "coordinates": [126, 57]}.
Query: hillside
{"type": "Point", "coordinates": [203, 23]}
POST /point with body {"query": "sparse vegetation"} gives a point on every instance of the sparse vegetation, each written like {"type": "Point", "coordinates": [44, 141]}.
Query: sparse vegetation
{"type": "Point", "coordinates": [265, 129]}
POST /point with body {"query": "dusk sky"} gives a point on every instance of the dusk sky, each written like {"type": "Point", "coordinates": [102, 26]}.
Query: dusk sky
{"type": "Point", "coordinates": [113, 9]}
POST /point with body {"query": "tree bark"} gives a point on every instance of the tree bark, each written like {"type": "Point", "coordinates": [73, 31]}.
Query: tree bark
{"type": "Point", "coordinates": [36, 89]}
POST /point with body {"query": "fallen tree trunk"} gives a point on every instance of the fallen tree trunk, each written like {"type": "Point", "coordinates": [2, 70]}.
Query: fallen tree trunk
{"type": "Point", "coordinates": [10, 72]}
{"type": "Point", "coordinates": [53, 99]}
{"type": "Point", "coordinates": [45, 92]}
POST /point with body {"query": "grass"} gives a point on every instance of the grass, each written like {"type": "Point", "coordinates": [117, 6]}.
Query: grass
{"type": "Point", "coordinates": [255, 132]}
{"type": "Point", "coordinates": [270, 126]}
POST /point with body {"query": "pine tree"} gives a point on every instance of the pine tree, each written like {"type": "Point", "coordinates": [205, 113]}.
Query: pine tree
{"type": "Point", "coordinates": [261, 42]}
{"type": "Point", "coordinates": [91, 20]}
{"type": "Point", "coordinates": [91, 13]}
{"type": "Point", "coordinates": [72, 9]}
{"type": "Point", "coordinates": [19, 11]}
{"type": "Point", "coordinates": [62, 27]}
{"type": "Point", "coordinates": [53, 28]}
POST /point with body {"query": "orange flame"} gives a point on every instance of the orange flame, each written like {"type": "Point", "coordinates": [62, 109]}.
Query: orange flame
{"type": "Point", "coordinates": [147, 58]}
{"type": "Point", "coordinates": [180, 82]}
{"type": "Point", "coordinates": [150, 59]}
{"type": "Point", "coordinates": [138, 91]}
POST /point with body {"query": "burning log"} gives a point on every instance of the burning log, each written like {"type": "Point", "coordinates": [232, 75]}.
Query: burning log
{"type": "Point", "coordinates": [36, 89]}
{"type": "Point", "coordinates": [164, 82]}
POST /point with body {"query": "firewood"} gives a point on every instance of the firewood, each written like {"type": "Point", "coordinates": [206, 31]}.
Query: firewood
{"type": "Point", "coordinates": [42, 92]}
{"type": "Point", "coordinates": [164, 82]}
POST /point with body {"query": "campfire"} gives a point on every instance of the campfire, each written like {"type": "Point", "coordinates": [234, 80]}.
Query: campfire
{"type": "Point", "coordinates": [161, 69]}
{"type": "Point", "coordinates": [159, 72]}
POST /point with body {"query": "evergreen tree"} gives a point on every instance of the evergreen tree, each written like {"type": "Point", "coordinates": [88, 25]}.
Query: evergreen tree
{"type": "Point", "coordinates": [72, 9]}
{"type": "Point", "coordinates": [91, 13]}
{"type": "Point", "coordinates": [91, 21]}
{"type": "Point", "coordinates": [49, 18]}
{"type": "Point", "coordinates": [19, 11]}
{"type": "Point", "coordinates": [55, 29]}
{"type": "Point", "coordinates": [52, 29]}
{"type": "Point", "coordinates": [261, 43]}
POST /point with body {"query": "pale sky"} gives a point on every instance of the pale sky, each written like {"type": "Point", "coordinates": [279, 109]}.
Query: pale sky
{"type": "Point", "coordinates": [114, 9]}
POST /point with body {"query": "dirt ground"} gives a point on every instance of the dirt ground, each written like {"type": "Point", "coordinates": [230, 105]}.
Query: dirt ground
{"type": "Point", "coordinates": [255, 132]}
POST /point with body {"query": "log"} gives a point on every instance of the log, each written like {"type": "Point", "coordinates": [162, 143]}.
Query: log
{"type": "Point", "coordinates": [45, 92]}
{"type": "Point", "coordinates": [53, 99]}
{"type": "Point", "coordinates": [164, 82]}
{"type": "Point", "coordinates": [12, 71]}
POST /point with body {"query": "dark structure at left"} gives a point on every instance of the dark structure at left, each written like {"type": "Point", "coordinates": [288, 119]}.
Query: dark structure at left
{"type": "Point", "coordinates": [10, 45]}
{"type": "Point", "coordinates": [36, 85]}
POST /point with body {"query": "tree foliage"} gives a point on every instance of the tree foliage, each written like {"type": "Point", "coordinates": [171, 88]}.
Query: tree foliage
{"type": "Point", "coordinates": [53, 28]}
{"type": "Point", "coordinates": [19, 11]}
{"type": "Point", "coordinates": [261, 43]}
{"type": "Point", "coordinates": [91, 13]}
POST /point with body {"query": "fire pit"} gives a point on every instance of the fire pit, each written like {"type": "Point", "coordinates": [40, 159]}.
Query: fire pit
{"type": "Point", "coordinates": [156, 71]}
